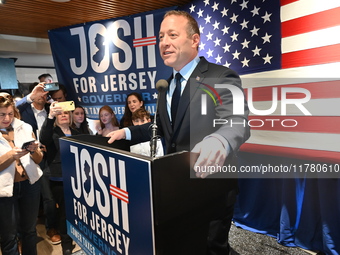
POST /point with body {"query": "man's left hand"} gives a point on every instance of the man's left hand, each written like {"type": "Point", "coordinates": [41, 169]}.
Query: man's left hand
{"type": "Point", "coordinates": [211, 153]}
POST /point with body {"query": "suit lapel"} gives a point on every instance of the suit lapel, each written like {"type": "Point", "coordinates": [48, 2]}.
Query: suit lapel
{"type": "Point", "coordinates": [190, 91]}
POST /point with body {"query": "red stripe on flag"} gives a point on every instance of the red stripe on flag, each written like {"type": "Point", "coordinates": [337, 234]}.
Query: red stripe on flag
{"type": "Point", "coordinates": [144, 44]}
{"type": "Point", "coordinates": [118, 189]}
{"type": "Point", "coordinates": [318, 90]}
{"type": "Point", "coordinates": [309, 23]}
{"type": "Point", "coordinates": [310, 124]}
{"type": "Point", "coordinates": [119, 193]}
{"type": "Point", "coordinates": [126, 200]}
{"type": "Point", "coordinates": [285, 2]}
{"type": "Point", "coordinates": [144, 41]}
{"type": "Point", "coordinates": [306, 154]}
{"type": "Point", "coordinates": [145, 38]}
{"type": "Point", "coordinates": [119, 197]}
{"type": "Point", "coordinates": [316, 56]}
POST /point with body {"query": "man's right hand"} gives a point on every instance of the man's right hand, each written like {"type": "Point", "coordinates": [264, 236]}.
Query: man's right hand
{"type": "Point", "coordinates": [116, 135]}
{"type": "Point", "coordinates": [38, 91]}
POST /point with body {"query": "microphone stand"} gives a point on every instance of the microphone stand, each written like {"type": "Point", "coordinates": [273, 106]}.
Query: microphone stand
{"type": "Point", "coordinates": [161, 85]}
{"type": "Point", "coordinates": [154, 136]}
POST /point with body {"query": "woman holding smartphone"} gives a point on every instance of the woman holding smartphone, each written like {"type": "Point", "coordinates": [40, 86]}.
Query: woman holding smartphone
{"type": "Point", "coordinates": [57, 125]}
{"type": "Point", "coordinates": [19, 181]}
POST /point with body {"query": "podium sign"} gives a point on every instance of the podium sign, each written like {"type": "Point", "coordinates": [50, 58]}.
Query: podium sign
{"type": "Point", "coordinates": [108, 196]}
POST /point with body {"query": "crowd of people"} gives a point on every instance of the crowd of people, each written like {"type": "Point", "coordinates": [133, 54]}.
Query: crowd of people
{"type": "Point", "coordinates": [31, 177]}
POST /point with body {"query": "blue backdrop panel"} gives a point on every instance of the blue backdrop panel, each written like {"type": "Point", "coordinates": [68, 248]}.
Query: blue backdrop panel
{"type": "Point", "coordinates": [101, 62]}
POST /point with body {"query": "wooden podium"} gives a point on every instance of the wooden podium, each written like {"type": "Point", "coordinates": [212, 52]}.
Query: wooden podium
{"type": "Point", "coordinates": [123, 203]}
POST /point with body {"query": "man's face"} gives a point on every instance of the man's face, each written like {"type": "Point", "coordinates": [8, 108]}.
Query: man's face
{"type": "Point", "coordinates": [175, 47]}
{"type": "Point", "coordinates": [59, 96]}
{"type": "Point", "coordinates": [40, 100]}
{"type": "Point", "coordinates": [138, 122]}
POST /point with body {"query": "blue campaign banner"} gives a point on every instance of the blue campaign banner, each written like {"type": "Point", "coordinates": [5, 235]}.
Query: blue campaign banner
{"type": "Point", "coordinates": [101, 62]}
{"type": "Point", "coordinates": [108, 200]}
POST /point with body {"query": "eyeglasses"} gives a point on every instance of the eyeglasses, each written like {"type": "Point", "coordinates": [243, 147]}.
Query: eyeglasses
{"type": "Point", "coordinates": [3, 115]}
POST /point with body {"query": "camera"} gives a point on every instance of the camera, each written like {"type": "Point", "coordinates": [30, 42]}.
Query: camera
{"type": "Point", "coordinates": [66, 106]}
{"type": "Point", "coordinates": [51, 86]}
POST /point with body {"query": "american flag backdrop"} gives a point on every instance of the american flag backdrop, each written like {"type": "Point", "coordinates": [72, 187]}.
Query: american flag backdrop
{"type": "Point", "coordinates": [275, 45]}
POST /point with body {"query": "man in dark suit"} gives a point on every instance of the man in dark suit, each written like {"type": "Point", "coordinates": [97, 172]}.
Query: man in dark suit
{"type": "Point", "coordinates": [33, 107]}
{"type": "Point", "coordinates": [187, 123]}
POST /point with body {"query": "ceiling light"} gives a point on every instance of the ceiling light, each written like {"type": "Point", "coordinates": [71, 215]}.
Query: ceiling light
{"type": "Point", "coordinates": [2, 1]}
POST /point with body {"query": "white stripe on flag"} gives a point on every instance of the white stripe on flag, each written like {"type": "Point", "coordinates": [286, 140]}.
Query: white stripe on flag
{"type": "Point", "coordinates": [317, 107]}
{"type": "Point", "coordinates": [314, 141]}
{"type": "Point", "coordinates": [314, 73]}
{"type": "Point", "coordinates": [323, 37]}
{"type": "Point", "coordinates": [306, 7]}
{"type": "Point", "coordinates": [120, 194]}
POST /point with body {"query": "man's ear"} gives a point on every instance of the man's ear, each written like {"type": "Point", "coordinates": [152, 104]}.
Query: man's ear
{"type": "Point", "coordinates": [196, 40]}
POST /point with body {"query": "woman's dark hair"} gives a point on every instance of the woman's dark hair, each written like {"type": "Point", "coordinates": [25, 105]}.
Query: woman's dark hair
{"type": "Point", "coordinates": [84, 126]}
{"type": "Point", "coordinates": [126, 120]}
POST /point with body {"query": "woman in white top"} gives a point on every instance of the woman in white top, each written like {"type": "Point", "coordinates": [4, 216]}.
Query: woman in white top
{"type": "Point", "coordinates": [19, 181]}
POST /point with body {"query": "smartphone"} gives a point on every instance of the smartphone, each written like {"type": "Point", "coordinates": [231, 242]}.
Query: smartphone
{"type": "Point", "coordinates": [51, 86]}
{"type": "Point", "coordinates": [66, 106]}
{"type": "Point", "coordinates": [26, 144]}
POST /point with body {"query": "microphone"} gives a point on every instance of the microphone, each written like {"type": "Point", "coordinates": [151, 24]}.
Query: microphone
{"type": "Point", "coordinates": [161, 86]}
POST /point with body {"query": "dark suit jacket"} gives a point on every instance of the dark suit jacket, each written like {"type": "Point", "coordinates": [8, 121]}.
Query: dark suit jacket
{"type": "Point", "coordinates": [49, 136]}
{"type": "Point", "coordinates": [190, 128]}
{"type": "Point", "coordinates": [190, 125]}
{"type": "Point", "coordinates": [27, 114]}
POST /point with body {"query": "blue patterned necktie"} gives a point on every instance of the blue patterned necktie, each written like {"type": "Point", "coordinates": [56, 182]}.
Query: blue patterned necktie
{"type": "Point", "coordinates": [175, 97]}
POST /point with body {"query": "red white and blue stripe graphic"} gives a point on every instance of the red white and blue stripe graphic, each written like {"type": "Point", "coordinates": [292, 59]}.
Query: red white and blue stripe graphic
{"type": "Point", "coordinates": [119, 193]}
{"type": "Point", "coordinates": [146, 41]}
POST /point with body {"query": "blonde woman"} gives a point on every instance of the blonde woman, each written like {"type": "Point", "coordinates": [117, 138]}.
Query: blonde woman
{"type": "Point", "coordinates": [57, 124]}
{"type": "Point", "coordinates": [19, 181]}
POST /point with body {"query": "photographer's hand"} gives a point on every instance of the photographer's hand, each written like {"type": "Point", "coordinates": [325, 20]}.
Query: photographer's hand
{"type": "Point", "coordinates": [38, 92]}
{"type": "Point", "coordinates": [54, 110]}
